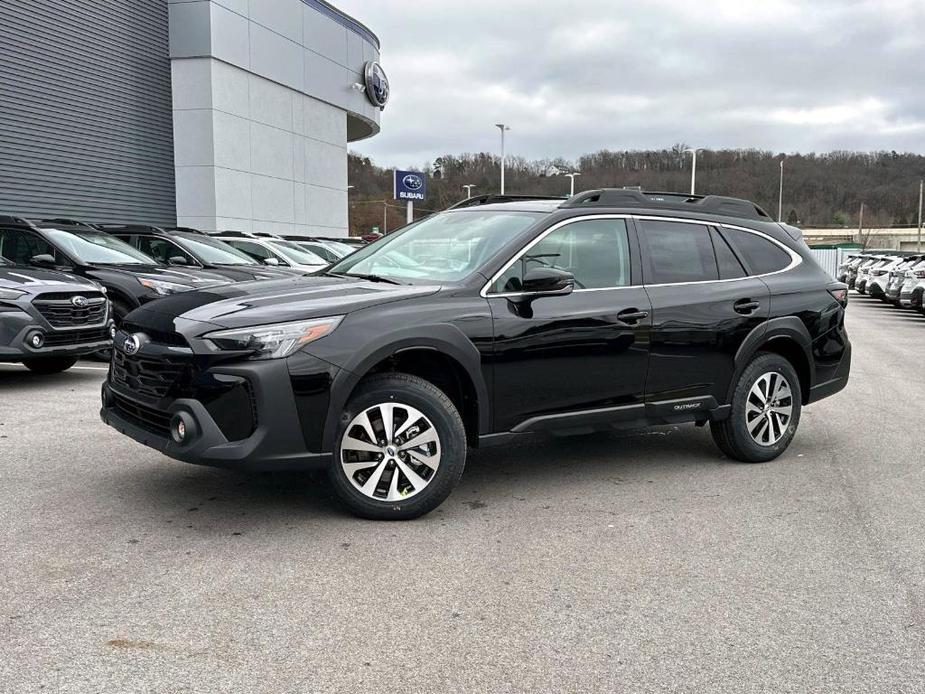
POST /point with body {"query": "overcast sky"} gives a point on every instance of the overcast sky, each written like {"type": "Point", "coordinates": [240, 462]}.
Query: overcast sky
{"type": "Point", "coordinates": [577, 76]}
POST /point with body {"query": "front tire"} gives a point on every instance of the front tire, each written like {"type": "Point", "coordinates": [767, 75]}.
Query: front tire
{"type": "Point", "coordinates": [50, 365]}
{"type": "Point", "coordinates": [400, 449]}
{"type": "Point", "coordinates": [766, 408]}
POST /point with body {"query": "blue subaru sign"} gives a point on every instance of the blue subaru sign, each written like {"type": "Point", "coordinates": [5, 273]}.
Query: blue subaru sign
{"type": "Point", "coordinates": [409, 185]}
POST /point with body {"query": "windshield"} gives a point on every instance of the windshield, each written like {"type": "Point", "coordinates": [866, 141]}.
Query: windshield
{"type": "Point", "coordinates": [342, 248]}
{"type": "Point", "coordinates": [297, 254]}
{"type": "Point", "coordinates": [444, 248]}
{"type": "Point", "coordinates": [212, 251]}
{"type": "Point", "coordinates": [98, 248]}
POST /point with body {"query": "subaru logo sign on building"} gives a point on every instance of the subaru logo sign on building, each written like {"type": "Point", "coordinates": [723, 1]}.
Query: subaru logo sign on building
{"type": "Point", "coordinates": [377, 84]}
{"type": "Point", "coordinates": [410, 185]}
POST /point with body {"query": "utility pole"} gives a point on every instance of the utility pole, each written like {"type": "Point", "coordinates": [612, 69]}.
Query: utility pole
{"type": "Point", "coordinates": [572, 177]}
{"type": "Point", "coordinates": [503, 128]}
{"type": "Point", "coordinates": [919, 237]}
{"type": "Point", "coordinates": [385, 217]}
{"type": "Point", "coordinates": [693, 152]}
{"type": "Point", "coordinates": [780, 194]}
{"type": "Point", "coordinates": [861, 224]}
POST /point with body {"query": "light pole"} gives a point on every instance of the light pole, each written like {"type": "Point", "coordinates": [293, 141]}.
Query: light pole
{"type": "Point", "coordinates": [693, 152]}
{"type": "Point", "coordinates": [780, 194]}
{"type": "Point", "coordinates": [502, 127]}
{"type": "Point", "coordinates": [572, 177]}
{"type": "Point", "coordinates": [469, 187]}
{"type": "Point", "coordinates": [919, 237]}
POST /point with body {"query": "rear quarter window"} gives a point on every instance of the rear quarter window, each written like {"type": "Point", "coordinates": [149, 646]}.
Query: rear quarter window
{"type": "Point", "coordinates": [761, 255]}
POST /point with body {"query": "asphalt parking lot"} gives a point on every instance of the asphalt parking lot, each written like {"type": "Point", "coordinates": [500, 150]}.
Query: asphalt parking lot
{"type": "Point", "coordinates": [616, 562]}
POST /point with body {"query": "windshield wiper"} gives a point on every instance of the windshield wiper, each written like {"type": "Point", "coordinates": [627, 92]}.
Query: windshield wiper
{"type": "Point", "coordinates": [363, 276]}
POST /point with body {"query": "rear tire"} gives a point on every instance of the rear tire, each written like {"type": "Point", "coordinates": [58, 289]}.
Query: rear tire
{"type": "Point", "coordinates": [49, 365]}
{"type": "Point", "coordinates": [377, 471]}
{"type": "Point", "coordinates": [757, 429]}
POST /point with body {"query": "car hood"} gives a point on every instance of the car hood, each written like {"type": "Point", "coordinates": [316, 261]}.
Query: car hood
{"type": "Point", "coordinates": [277, 301]}
{"type": "Point", "coordinates": [245, 273]}
{"type": "Point", "coordinates": [190, 277]}
{"type": "Point", "coordinates": [35, 280]}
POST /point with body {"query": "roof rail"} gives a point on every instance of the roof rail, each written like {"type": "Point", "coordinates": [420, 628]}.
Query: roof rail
{"type": "Point", "coordinates": [112, 228]}
{"type": "Point", "coordinates": [11, 221]}
{"type": "Point", "coordinates": [489, 198]}
{"type": "Point", "coordinates": [235, 234]}
{"type": "Point", "coordinates": [266, 235]}
{"type": "Point", "coordinates": [69, 222]}
{"type": "Point", "coordinates": [712, 204]}
{"type": "Point", "coordinates": [186, 230]}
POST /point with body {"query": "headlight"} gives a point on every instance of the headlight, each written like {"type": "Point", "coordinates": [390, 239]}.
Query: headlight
{"type": "Point", "coordinates": [164, 288]}
{"type": "Point", "coordinates": [274, 341]}
{"type": "Point", "coordinates": [11, 294]}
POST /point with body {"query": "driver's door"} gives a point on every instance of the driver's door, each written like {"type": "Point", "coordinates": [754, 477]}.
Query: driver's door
{"type": "Point", "coordinates": [563, 361]}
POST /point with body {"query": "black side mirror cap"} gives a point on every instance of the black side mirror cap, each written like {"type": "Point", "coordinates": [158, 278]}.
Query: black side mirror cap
{"type": "Point", "coordinates": [547, 281]}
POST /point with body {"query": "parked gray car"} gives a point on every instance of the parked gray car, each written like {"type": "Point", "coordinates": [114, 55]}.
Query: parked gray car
{"type": "Point", "coordinates": [49, 319]}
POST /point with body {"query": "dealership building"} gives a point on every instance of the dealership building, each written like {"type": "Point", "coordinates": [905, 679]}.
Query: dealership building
{"type": "Point", "coordinates": [214, 114]}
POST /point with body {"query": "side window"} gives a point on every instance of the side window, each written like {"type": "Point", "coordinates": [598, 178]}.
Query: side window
{"type": "Point", "coordinates": [729, 265]}
{"type": "Point", "coordinates": [20, 247]}
{"type": "Point", "coordinates": [595, 251]}
{"type": "Point", "coordinates": [677, 252]}
{"type": "Point", "coordinates": [162, 250]}
{"type": "Point", "coordinates": [255, 250]}
{"type": "Point", "coordinates": [761, 255]}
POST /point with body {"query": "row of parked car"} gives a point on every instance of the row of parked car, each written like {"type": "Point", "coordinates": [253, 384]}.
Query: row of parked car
{"type": "Point", "coordinates": [65, 285]}
{"type": "Point", "coordinates": [896, 277]}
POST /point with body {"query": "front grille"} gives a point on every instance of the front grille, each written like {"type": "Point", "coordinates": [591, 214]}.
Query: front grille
{"type": "Point", "coordinates": [76, 337]}
{"type": "Point", "coordinates": [148, 418]}
{"type": "Point", "coordinates": [152, 377]}
{"type": "Point", "coordinates": [59, 310]}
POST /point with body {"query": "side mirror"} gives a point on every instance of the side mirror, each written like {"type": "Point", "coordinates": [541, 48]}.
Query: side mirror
{"type": "Point", "coordinates": [272, 262]}
{"type": "Point", "coordinates": [547, 281]}
{"type": "Point", "coordinates": [177, 260]}
{"type": "Point", "coordinates": [42, 260]}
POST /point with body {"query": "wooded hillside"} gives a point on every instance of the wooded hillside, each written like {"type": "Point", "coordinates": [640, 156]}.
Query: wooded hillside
{"type": "Point", "coordinates": [819, 189]}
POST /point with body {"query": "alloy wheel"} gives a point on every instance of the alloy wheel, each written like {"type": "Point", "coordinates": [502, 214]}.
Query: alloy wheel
{"type": "Point", "coordinates": [769, 408]}
{"type": "Point", "coordinates": [390, 451]}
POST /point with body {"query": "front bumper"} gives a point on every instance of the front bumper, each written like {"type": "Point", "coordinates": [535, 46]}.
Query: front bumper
{"type": "Point", "coordinates": [17, 326]}
{"type": "Point", "coordinates": [277, 440]}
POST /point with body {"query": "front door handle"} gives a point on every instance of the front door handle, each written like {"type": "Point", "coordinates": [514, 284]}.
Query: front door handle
{"type": "Point", "coordinates": [746, 306]}
{"type": "Point", "coordinates": [632, 315]}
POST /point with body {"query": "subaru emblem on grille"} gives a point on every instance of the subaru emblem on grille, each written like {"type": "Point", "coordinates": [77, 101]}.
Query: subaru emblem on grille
{"type": "Point", "coordinates": [80, 301]}
{"type": "Point", "coordinates": [131, 345]}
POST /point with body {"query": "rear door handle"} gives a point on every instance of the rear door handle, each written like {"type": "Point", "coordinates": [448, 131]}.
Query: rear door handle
{"type": "Point", "coordinates": [632, 315]}
{"type": "Point", "coordinates": [746, 306]}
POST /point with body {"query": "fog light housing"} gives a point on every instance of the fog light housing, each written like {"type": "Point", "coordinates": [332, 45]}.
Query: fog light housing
{"type": "Point", "coordinates": [106, 395]}
{"type": "Point", "coordinates": [112, 330]}
{"type": "Point", "coordinates": [182, 428]}
{"type": "Point", "coordinates": [35, 339]}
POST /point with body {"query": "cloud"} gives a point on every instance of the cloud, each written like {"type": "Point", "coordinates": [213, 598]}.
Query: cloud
{"type": "Point", "coordinates": [576, 77]}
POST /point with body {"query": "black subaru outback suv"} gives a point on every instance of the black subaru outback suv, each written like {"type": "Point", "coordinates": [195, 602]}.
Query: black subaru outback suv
{"type": "Point", "coordinates": [491, 321]}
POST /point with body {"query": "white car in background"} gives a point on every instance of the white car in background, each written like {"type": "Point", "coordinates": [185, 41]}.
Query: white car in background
{"type": "Point", "coordinates": [275, 252]}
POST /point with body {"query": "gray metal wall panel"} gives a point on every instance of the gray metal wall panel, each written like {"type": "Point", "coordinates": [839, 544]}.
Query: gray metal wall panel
{"type": "Point", "coordinates": [86, 126]}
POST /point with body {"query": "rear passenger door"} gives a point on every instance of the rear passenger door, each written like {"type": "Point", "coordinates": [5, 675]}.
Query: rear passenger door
{"type": "Point", "coordinates": [704, 305]}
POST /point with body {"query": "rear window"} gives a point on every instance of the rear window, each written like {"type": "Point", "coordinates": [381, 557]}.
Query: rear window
{"type": "Point", "coordinates": [761, 255]}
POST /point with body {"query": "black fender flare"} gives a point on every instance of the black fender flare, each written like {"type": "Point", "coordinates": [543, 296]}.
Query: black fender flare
{"type": "Point", "coordinates": [444, 338]}
{"type": "Point", "coordinates": [789, 327]}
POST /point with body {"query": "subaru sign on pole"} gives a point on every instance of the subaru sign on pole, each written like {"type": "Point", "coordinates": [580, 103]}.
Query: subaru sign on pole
{"type": "Point", "coordinates": [409, 186]}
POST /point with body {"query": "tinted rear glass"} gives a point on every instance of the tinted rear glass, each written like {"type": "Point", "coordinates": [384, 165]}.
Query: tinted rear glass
{"type": "Point", "coordinates": [677, 252]}
{"type": "Point", "coordinates": [761, 255]}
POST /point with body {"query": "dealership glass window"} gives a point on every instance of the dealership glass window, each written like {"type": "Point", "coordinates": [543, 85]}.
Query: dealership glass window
{"type": "Point", "coordinates": [594, 251]}
{"type": "Point", "coordinates": [677, 252]}
{"type": "Point", "coordinates": [761, 255]}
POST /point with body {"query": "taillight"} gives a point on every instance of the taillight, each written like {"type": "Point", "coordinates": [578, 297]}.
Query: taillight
{"type": "Point", "coordinates": [919, 273]}
{"type": "Point", "coordinates": [840, 295]}
{"type": "Point", "coordinates": [879, 273]}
